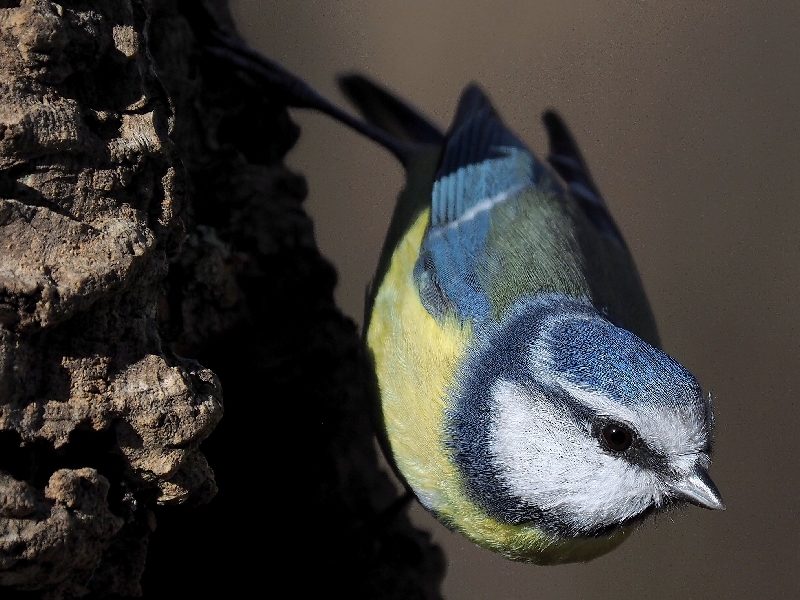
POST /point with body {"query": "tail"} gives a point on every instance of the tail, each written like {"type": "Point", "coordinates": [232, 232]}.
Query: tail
{"type": "Point", "coordinates": [386, 111]}
{"type": "Point", "coordinates": [281, 83]}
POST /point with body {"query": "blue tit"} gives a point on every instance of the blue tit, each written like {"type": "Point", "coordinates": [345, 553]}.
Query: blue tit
{"type": "Point", "coordinates": [524, 398]}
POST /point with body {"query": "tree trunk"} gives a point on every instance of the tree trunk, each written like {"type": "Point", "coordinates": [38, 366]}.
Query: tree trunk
{"type": "Point", "coordinates": [146, 216]}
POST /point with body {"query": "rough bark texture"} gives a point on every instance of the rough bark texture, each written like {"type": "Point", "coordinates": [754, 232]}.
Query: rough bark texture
{"type": "Point", "coordinates": [146, 216]}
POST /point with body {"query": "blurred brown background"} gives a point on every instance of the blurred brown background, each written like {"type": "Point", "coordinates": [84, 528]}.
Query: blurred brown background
{"type": "Point", "coordinates": [689, 117]}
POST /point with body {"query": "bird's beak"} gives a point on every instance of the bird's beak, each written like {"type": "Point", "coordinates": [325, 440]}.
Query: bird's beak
{"type": "Point", "coordinates": [696, 487]}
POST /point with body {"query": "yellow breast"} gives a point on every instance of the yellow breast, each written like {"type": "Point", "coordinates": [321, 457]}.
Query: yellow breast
{"type": "Point", "coordinates": [416, 361]}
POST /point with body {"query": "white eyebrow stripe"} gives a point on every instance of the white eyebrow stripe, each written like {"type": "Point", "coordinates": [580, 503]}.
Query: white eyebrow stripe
{"type": "Point", "coordinates": [597, 402]}
{"type": "Point", "coordinates": [664, 428]}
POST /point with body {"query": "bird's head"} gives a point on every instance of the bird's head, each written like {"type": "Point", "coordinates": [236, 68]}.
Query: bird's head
{"type": "Point", "coordinates": [578, 425]}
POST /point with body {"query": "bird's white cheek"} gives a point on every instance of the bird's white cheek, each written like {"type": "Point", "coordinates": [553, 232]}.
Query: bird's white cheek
{"type": "Point", "coordinates": [546, 460]}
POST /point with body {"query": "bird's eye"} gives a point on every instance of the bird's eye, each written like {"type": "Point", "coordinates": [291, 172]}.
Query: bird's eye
{"type": "Point", "coordinates": [616, 437]}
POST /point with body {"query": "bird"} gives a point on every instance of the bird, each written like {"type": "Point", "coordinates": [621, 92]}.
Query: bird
{"type": "Point", "coordinates": [524, 398]}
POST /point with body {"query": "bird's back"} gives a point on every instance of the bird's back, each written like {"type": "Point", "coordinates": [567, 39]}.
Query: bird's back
{"type": "Point", "coordinates": [504, 225]}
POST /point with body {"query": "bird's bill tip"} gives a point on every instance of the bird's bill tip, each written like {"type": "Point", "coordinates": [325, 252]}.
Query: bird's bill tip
{"type": "Point", "coordinates": [698, 488]}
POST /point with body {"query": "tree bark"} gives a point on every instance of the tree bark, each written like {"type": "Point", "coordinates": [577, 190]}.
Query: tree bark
{"type": "Point", "coordinates": [146, 216]}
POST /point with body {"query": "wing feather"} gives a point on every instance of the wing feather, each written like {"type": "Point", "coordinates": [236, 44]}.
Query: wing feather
{"type": "Point", "coordinates": [483, 164]}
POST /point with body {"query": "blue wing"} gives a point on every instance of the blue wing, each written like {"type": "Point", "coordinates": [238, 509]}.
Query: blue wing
{"type": "Point", "coordinates": [482, 165]}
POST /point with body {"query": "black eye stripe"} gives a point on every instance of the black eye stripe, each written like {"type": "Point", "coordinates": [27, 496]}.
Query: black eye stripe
{"type": "Point", "coordinates": [592, 421]}
{"type": "Point", "coordinates": [638, 452]}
